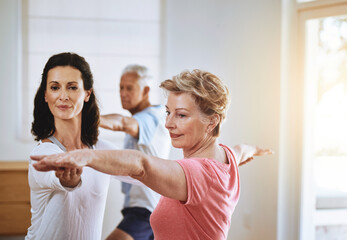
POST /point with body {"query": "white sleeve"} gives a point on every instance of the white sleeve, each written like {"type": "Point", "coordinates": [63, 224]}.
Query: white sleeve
{"type": "Point", "coordinates": [45, 180]}
{"type": "Point", "coordinates": [104, 145]}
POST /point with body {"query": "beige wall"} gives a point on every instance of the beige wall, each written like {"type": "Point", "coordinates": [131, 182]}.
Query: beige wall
{"type": "Point", "coordinates": [237, 40]}
{"type": "Point", "coordinates": [11, 147]}
{"type": "Point", "coordinates": [240, 42]}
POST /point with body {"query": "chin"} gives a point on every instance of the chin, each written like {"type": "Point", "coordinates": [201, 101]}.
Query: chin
{"type": "Point", "coordinates": [126, 107]}
{"type": "Point", "coordinates": [176, 144]}
{"type": "Point", "coordinates": [63, 116]}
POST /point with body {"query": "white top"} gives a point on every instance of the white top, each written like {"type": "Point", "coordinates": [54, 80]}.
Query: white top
{"type": "Point", "coordinates": [67, 213]}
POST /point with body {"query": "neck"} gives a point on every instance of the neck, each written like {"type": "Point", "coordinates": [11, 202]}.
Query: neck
{"type": "Point", "coordinates": [207, 149]}
{"type": "Point", "coordinates": [68, 133]}
{"type": "Point", "coordinates": [141, 106]}
{"type": "Point", "coordinates": [204, 149]}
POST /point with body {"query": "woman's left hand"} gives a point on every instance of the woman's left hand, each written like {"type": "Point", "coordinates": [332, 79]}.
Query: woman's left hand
{"type": "Point", "coordinates": [245, 153]}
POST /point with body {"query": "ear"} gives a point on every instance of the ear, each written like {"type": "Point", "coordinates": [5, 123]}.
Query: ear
{"type": "Point", "coordinates": [146, 90]}
{"type": "Point", "coordinates": [214, 120]}
{"type": "Point", "coordinates": [88, 93]}
{"type": "Point", "coordinates": [45, 96]}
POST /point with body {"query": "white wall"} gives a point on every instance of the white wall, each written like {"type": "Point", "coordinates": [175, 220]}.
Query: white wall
{"type": "Point", "coordinates": [240, 42]}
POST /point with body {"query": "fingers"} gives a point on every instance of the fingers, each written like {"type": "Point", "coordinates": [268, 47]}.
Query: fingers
{"type": "Point", "coordinates": [37, 157]}
{"type": "Point", "coordinates": [262, 152]}
{"type": "Point", "coordinates": [246, 161]}
{"type": "Point", "coordinates": [52, 162]}
{"type": "Point", "coordinates": [59, 173]}
{"type": "Point", "coordinates": [66, 174]}
{"type": "Point", "coordinates": [41, 166]}
{"type": "Point", "coordinates": [74, 159]}
{"type": "Point", "coordinates": [79, 171]}
{"type": "Point", "coordinates": [73, 172]}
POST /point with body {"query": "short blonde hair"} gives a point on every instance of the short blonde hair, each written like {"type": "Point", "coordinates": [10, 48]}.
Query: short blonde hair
{"type": "Point", "coordinates": [209, 92]}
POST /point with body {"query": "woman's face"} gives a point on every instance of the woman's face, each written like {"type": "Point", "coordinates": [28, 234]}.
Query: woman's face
{"type": "Point", "coordinates": [185, 122]}
{"type": "Point", "coordinates": [65, 92]}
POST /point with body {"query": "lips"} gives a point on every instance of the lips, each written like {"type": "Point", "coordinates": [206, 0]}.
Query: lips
{"type": "Point", "coordinates": [125, 101]}
{"type": "Point", "coordinates": [172, 135]}
{"type": "Point", "coordinates": [64, 107]}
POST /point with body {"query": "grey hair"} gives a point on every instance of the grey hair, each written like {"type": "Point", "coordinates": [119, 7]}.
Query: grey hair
{"type": "Point", "coordinates": [141, 71]}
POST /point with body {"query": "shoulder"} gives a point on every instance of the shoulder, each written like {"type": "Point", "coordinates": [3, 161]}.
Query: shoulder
{"type": "Point", "coordinates": [204, 167]}
{"type": "Point", "coordinates": [153, 114]}
{"type": "Point", "coordinates": [154, 111]}
{"type": "Point", "coordinates": [103, 144]}
{"type": "Point", "coordinates": [158, 110]}
{"type": "Point", "coordinates": [195, 165]}
{"type": "Point", "coordinates": [230, 154]}
{"type": "Point", "coordinates": [45, 148]}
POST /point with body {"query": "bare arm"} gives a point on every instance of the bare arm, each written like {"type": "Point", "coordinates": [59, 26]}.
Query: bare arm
{"type": "Point", "coordinates": [118, 122]}
{"type": "Point", "coordinates": [163, 176]}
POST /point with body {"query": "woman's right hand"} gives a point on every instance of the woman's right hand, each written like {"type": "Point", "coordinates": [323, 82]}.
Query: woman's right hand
{"type": "Point", "coordinates": [69, 177]}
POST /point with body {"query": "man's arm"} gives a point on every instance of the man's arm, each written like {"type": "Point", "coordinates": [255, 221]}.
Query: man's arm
{"type": "Point", "coordinates": [118, 122]}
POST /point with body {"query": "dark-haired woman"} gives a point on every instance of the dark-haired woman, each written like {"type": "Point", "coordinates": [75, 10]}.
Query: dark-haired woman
{"type": "Point", "coordinates": [67, 203]}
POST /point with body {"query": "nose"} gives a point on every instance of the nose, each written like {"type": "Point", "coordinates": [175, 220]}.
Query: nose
{"type": "Point", "coordinates": [64, 95]}
{"type": "Point", "coordinates": [169, 124]}
{"type": "Point", "coordinates": [122, 93]}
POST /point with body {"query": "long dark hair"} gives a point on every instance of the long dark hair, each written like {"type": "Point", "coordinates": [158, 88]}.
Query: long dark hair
{"type": "Point", "coordinates": [43, 124]}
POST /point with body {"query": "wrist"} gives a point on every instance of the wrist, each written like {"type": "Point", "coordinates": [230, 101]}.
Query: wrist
{"type": "Point", "coordinates": [91, 155]}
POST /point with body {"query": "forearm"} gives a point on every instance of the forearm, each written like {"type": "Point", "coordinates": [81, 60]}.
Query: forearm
{"type": "Point", "coordinates": [117, 162]}
{"type": "Point", "coordinates": [118, 122]}
{"type": "Point", "coordinates": [163, 176]}
{"type": "Point", "coordinates": [112, 122]}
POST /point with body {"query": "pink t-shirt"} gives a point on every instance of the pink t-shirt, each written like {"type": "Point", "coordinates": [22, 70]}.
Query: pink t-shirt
{"type": "Point", "coordinates": [213, 192]}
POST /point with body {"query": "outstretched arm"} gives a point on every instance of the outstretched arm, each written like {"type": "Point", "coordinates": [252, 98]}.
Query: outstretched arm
{"type": "Point", "coordinates": [163, 176]}
{"type": "Point", "coordinates": [245, 153]}
{"type": "Point", "coordinates": [118, 122]}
